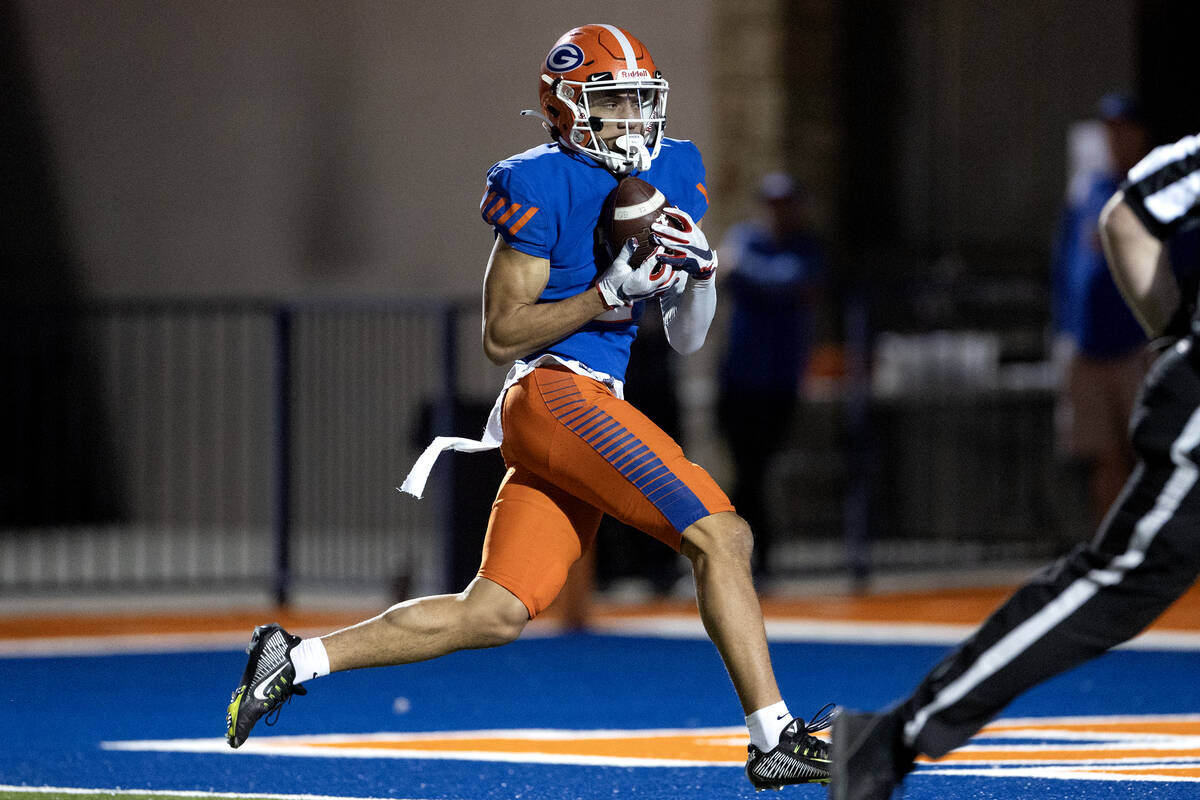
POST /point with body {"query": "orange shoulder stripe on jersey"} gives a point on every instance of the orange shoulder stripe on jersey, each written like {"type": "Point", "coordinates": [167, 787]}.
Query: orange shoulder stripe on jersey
{"type": "Point", "coordinates": [703, 191]}
{"type": "Point", "coordinates": [511, 210]}
{"type": "Point", "coordinates": [528, 215]}
{"type": "Point", "coordinates": [490, 215]}
{"type": "Point", "coordinates": [487, 198]}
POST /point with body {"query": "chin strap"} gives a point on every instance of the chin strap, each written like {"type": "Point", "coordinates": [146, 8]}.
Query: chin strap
{"type": "Point", "coordinates": [637, 154]}
{"type": "Point", "coordinates": [529, 112]}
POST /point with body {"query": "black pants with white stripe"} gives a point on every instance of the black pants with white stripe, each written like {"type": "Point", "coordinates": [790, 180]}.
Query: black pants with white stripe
{"type": "Point", "coordinates": [1145, 555]}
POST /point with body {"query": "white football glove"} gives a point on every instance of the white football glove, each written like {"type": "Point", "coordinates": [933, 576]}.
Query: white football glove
{"type": "Point", "coordinates": [621, 285]}
{"type": "Point", "coordinates": [687, 246]}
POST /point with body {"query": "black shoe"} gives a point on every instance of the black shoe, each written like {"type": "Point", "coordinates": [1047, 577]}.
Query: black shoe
{"type": "Point", "coordinates": [870, 758]}
{"type": "Point", "coordinates": [799, 757]}
{"type": "Point", "coordinates": [268, 681]}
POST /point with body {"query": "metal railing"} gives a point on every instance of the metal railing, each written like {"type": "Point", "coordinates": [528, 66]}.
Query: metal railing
{"type": "Point", "coordinates": [223, 443]}
{"type": "Point", "coordinates": [215, 443]}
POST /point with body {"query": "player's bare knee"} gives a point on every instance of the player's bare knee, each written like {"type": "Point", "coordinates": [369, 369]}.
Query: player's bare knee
{"type": "Point", "coordinates": [723, 536]}
{"type": "Point", "coordinates": [492, 618]}
{"type": "Point", "coordinates": [495, 629]}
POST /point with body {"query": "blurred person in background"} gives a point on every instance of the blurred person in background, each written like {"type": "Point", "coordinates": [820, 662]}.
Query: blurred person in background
{"type": "Point", "coordinates": [773, 277]}
{"type": "Point", "coordinates": [1099, 345]}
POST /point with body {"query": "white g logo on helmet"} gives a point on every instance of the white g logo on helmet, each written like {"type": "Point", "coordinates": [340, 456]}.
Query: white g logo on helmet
{"type": "Point", "coordinates": [564, 58]}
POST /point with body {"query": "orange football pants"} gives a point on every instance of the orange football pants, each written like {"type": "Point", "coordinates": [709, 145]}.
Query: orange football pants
{"type": "Point", "coordinates": [575, 452]}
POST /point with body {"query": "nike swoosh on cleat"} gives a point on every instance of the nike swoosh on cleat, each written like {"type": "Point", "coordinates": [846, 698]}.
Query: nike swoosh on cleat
{"type": "Point", "coordinates": [267, 681]}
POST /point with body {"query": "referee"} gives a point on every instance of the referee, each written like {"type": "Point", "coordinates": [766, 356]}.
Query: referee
{"type": "Point", "coordinates": [1146, 553]}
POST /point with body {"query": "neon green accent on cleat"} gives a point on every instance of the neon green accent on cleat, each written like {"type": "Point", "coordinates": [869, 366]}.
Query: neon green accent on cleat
{"type": "Point", "coordinates": [232, 713]}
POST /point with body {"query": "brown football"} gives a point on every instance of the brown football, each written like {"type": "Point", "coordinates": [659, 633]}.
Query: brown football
{"type": "Point", "coordinates": [628, 212]}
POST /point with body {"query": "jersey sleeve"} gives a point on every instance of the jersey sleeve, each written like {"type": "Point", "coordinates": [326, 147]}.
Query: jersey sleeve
{"type": "Point", "coordinates": [1163, 189]}
{"type": "Point", "coordinates": [695, 190]}
{"type": "Point", "coordinates": [513, 210]}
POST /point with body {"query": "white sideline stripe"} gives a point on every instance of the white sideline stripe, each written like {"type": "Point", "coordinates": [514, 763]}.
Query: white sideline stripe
{"type": "Point", "coordinates": [35, 647]}
{"type": "Point", "coordinates": [1114, 742]}
{"type": "Point", "coordinates": [796, 630]}
{"type": "Point", "coordinates": [809, 630]}
{"type": "Point", "coordinates": [669, 627]}
{"type": "Point", "coordinates": [1057, 773]}
{"type": "Point", "coordinates": [1163, 640]}
{"type": "Point", "coordinates": [176, 793]}
{"type": "Point", "coordinates": [1090, 719]}
{"type": "Point", "coordinates": [122, 643]}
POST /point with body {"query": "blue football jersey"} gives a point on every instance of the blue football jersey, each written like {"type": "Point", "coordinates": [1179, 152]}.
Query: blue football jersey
{"type": "Point", "coordinates": [546, 203]}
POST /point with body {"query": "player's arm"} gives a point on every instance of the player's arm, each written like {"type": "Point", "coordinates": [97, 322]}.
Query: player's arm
{"type": "Point", "coordinates": [1140, 267]}
{"type": "Point", "coordinates": [688, 310]}
{"type": "Point", "coordinates": [687, 314]}
{"type": "Point", "coordinates": [514, 323]}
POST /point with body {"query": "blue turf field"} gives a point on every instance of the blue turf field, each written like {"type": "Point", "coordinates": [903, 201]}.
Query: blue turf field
{"type": "Point", "coordinates": [57, 712]}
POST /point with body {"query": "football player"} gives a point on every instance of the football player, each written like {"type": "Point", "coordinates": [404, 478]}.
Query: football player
{"type": "Point", "coordinates": [564, 314]}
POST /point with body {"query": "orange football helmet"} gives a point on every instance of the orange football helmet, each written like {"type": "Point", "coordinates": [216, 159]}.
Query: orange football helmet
{"type": "Point", "coordinates": [595, 62]}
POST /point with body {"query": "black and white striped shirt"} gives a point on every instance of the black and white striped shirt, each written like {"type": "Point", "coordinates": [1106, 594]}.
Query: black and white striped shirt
{"type": "Point", "coordinates": [1163, 189]}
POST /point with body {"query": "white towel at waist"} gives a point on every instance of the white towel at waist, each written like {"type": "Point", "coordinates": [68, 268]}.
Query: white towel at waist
{"type": "Point", "coordinates": [493, 433]}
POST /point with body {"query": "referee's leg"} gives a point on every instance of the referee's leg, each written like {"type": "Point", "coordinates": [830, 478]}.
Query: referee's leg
{"type": "Point", "coordinates": [1146, 554]}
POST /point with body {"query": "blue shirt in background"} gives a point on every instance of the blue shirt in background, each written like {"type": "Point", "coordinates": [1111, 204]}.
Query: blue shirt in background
{"type": "Point", "coordinates": [1088, 307]}
{"type": "Point", "coordinates": [769, 292]}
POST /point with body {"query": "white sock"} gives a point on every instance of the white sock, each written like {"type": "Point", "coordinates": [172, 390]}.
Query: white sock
{"type": "Point", "coordinates": [766, 724]}
{"type": "Point", "coordinates": [310, 660]}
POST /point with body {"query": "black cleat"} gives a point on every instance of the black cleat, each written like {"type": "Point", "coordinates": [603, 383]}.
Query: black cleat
{"type": "Point", "coordinates": [870, 758]}
{"type": "Point", "coordinates": [268, 681]}
{"type": "Point", "coordinates": [799, 757]}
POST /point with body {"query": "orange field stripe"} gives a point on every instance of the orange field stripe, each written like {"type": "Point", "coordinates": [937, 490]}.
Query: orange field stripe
{"type": "Point", "coordinates": [679, 748]}
{"type": "Point", "coordinates": [1181, 772]}
{"type": "Point", "coordinates": [1130, 759]}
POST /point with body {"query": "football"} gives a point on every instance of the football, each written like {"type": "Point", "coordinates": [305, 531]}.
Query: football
{"type": "Point", "coordinates": [629, 211]}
